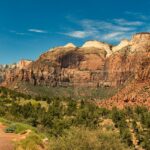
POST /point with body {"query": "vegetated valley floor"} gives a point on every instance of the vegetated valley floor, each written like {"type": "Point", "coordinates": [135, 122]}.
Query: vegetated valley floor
{"type": "Point", "coordinates": [67, 121]}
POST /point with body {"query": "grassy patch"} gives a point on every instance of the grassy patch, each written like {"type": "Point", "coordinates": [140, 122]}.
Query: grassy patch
{"type": "Point", "coordinates": [16, 127]}
{"type": "Point", "coordinates": [33, 102]}
{"type": "Point", "coordinates": [85, 139]}
{"type": "Point", "coordinates": [4, 121]}
{"type": "Point", "coordinates": [19, 128]}
{"type": "Point", "coordinates": [32, 142]}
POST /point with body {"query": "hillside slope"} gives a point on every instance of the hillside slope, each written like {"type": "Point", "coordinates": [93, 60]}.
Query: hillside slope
{"type": "Point", "coordinates": [95, 64]}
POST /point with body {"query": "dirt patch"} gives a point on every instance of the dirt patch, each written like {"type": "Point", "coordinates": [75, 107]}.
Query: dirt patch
{"type": "Point", "coordinates": [7, 139]}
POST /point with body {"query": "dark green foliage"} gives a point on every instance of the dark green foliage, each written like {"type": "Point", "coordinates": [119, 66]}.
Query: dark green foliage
{"type": "Point", "coordinates": [9, 130]}
{"type": "Point", "coordinates": [72, 107]}
{"type": "Point", "coordinates": [88, 116]}
{"type": "Point", "coordinates": [2, 109]}
{"type": "Point", "coordinates": [142, 115]}
{"type": "Point", "coordinates": [119, 119]}
{"type": "Point", "coordinates": [62, 113]}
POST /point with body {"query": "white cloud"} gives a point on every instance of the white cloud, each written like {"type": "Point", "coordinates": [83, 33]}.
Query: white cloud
{"type": "Point", "coordinates": [103, 25]}
{"type": "Point", "coordinates": [137, 15]}
{"type": "Point", "coordinates": [78, 34]}
{"type": "Point", "coordinates": [124, 22]}
{"type": "Point", "coordinates": [18, 33]}
{"type": "Point", "coordinates": [112, 30]}
{"type": "Point", "coordinates": [112, 35]}
{"type": "Point", "coordinates": [109, 30]}
{"type": "Point", "coordinates": [37, 30]}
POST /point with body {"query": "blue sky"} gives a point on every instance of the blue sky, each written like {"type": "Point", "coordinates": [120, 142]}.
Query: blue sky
{"type": "Point", "coordinates": [30, 27]}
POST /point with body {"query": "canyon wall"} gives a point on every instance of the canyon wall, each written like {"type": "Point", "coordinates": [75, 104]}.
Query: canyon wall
{"type": "Point", "coordinates": [94, 64]}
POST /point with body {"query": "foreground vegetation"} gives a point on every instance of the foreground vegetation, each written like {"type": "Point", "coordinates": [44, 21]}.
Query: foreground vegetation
{"type": "Point", "coordinates": [73, 124]}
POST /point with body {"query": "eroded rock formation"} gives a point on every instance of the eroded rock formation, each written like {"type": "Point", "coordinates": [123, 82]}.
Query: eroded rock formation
{"type": "Point", "coordinates": [92, 65]}
{"type": "Point", "coordinates": [22, 64]}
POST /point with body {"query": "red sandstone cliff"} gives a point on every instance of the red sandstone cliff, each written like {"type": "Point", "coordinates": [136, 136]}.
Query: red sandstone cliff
{"type": "Point", "coordinates": [92, 65]}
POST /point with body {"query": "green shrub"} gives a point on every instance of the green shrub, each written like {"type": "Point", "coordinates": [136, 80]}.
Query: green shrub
{"type": "Point", "coordinates": [84, 139]}
{"type": "Point", "coordinates": [32, 142]}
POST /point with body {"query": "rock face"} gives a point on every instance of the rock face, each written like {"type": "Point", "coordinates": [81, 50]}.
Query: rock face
{"type": "Point", "coordinates": [23, 64]}
{"type": "Point", "coordinates": [4, 69]}
{"type": "Point", "coordinates": [12, 70]}
{"type": "Point", "coordinates": [98, 45]}
{"type": "Point", "coordinates": [123, 43]}
{"type": "Point", "coordinates": [70, 45]}
{"type": "Point", "coordinates": [134, 94]}
{"type": "Point", "coordinates": [94, 64]}
{"type": "Point", "coordinates": [140, 42]}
